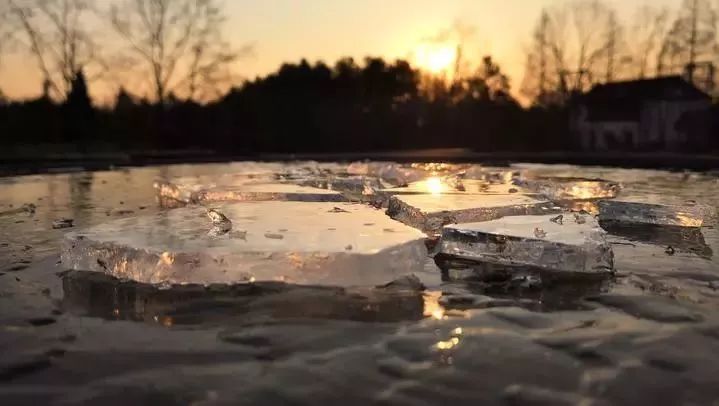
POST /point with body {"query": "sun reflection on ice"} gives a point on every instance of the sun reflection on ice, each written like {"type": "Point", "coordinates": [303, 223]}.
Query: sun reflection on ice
{"type": "Point", "coordinates": [435, 186]}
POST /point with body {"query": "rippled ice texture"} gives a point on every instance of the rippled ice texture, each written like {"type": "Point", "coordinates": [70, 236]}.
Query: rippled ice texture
{"type": "Point", "coordinates": [649, 335]}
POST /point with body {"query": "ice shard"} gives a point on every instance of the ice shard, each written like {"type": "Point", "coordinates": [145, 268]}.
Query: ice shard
{"type": "Point", "coordinates": [577, 245]}
{"type": "Point", "coordinates": [690, 214]}
{"type": "Point", "coordinates": [429, 212]}
{"type": "Point", "coordinates": [182, 192]}
{"type": "Point", "coordinates": [562, 188]}
{"type": "Point", "coordinates": [338, 244]}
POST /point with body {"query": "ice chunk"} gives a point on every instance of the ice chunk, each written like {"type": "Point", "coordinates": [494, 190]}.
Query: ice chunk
{"type": "Point", "coordinates": [430, 212]}
{"type": "Point", "coordinates": [558, 189]}
{"type": "Point", "coordinates": [573, 246]}
{"type": "Point", "coordinates": [690, 214]}
{"type": "Point", "coordinates": [182, 193]}
{"type": "Point", "coordinates": [682, 239]}
{"type": "Point", "coordinates": [453, 185]}
{"type": "Point", "coordinates": [493, 175]}
{"type": "Point", "coordinates": [305, 243]}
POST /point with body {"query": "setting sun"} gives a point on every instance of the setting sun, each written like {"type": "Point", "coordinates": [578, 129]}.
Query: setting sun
{"type": "Point", "coordinates": [435, 58]}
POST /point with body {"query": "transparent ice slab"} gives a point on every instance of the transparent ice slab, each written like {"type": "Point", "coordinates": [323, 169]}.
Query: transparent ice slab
{"type": "Point", "coordinates": [429, 212]}
{"type": "Point", "coordinates": [305, 243]}
{"type": "Point", "coordinates": [182, 192]}
{"type": "Point", "coordinates": [690, 214]}
{"type": "Point", "coordinates": [558, 189]}
{"type": "Point", "coordinates": [573, 243]}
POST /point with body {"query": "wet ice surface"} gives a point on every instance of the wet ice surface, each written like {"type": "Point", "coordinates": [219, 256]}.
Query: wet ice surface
{"type": "Point", "coordinates": [84, 337]}
{"type": "Point", "coordinates": [571, 244]}
{"type": "Point", "coordinates": [305, 243]}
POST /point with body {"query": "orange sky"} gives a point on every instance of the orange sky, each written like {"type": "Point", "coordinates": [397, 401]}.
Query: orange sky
{"type": "Point", "coordinates": [287, 30]}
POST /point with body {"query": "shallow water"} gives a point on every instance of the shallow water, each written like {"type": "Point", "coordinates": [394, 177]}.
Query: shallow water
{"type": "Point", "coordinates": [650, 334]}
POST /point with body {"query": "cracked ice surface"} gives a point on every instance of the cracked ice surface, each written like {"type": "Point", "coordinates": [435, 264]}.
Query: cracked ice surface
{"type": "Point", "coordinates": [558, 189]}
{"type": "Point", "coordinates": [224, 189]}
{"type": "Point", "coordinates": [689, 214]}
{"type": "Point", "coordinates": [429, 212]}
{"type": "Point", "coordinates": [305, 243]}
{"type": "Point", "coordinates": [578, 244]}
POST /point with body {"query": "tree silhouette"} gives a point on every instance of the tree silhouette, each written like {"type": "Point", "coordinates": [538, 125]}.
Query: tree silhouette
{"type": "Point", "coordinates": [57, 35]}
{"type": "Point", "coordinates": [179, 44]}
{"type": "Point", "coordinates": [691, 39]}
{"type": "Point", "coordinates": [644, 41]}
{"type": "Point", "coordinates": [569, 45]}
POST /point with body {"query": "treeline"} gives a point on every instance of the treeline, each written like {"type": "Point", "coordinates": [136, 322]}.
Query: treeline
{"type": "Point", "coordinates": [303, 107]}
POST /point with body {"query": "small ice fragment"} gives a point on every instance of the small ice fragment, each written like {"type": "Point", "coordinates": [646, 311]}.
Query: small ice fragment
{"type": "Point", "coordinates": [625, 211]}
{"type": "Point", "coordinates": [337, 210]}
{"type": "Point", "coordinates": [559, 189]}
{"type": "Point", "coordinates": [539, 233]}
{"type": "Point", "coordinates": [173, 246]}
{"type": "Point", "coordinates": [62, 223]}
{"type": "Point", "coordinates": [430, 212]}
{"type": "Point", "coordinates": [217, 218]}
{"type": "Point", "coordinates": [512, 241]}
{"type": "Point", "coordinates": [558, 220]}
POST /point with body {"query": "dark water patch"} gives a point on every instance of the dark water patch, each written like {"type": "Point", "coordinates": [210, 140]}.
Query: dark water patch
{"type": "Point", "coordinates": [42, 321]}
{"type": "Point", "coordinates": [15, 371]}
{"type": "Point", "coordinates": [653, 308]}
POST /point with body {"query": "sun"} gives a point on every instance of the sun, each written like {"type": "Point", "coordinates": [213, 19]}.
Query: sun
{"type": "Point", "coordinates": [435, 58]}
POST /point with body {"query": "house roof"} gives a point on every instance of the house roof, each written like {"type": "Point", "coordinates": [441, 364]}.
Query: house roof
{"type": "Point", "coordinates": [622, 101]}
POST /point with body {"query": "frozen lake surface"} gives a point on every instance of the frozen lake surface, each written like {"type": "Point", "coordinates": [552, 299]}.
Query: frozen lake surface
{"type": "Point", "coordinates": [314, 318]}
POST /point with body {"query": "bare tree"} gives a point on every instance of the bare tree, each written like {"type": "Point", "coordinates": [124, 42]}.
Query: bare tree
{"type": "Point", "coordinates": [56, 34]}
{"type": "Point", "coordinates": [645, 37]}
{"type": "Point", "coordinates": [569, 44]}
{"type": "Point", "coordinates": [691, 39]}
{"type": "Point", "coordinates": [179, 44]}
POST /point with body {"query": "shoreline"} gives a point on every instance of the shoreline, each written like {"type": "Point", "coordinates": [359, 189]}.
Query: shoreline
{"type": "Point", "coordinates": [62, 163]}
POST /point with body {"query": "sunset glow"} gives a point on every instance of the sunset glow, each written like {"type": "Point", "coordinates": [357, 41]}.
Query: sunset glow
{"type": "Point", "coordinates": [435, 58]}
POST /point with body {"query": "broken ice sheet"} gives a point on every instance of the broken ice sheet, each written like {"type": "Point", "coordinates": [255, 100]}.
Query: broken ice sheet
{"type": "Point", "coordinates": [689, 214]}
{"type": "Point", "coordinates": [565, 188]}
{"type": "Point", "coordinates": [454, 185]}
{"type": "Point", "coordinates": [429, 212]}
{"type": "Point", "coordinates": [182, 192]}
{"type": "Point", "coordinates": [574, 246]}
{"type": "Point", "coordinates": [314, 248]}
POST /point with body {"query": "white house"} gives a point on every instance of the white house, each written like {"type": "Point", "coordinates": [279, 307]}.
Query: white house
{"type": "Point", "coordinates": [650, 114]}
